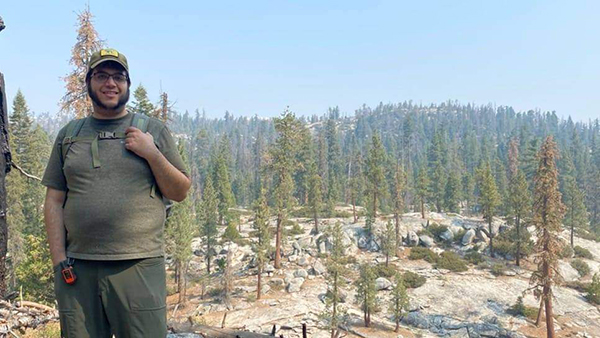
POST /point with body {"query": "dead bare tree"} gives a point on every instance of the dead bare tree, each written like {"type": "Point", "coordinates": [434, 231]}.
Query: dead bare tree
{"type": "Point", "coordinates": [5, 166]}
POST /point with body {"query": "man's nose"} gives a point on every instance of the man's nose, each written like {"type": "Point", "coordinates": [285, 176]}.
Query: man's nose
{"type": "Point", "coordinates": [110, 82]}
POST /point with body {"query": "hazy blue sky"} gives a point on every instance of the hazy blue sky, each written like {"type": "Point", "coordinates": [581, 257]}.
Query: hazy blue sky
{"type": "Point", "coordinates": [257, 57]}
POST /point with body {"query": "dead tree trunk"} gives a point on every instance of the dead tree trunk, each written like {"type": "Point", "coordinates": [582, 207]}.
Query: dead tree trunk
{"type": "Point", "coordinates": [5, 165]}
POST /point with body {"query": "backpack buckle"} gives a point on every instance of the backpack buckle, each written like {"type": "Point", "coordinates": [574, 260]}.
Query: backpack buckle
{"type": "Point", "coordinates": [106, 135]}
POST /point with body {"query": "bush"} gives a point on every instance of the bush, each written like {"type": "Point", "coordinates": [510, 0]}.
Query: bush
{"type": "Point", "coordinates": [582, 252]}
{"type": "Point", "coordinates": [474, 257]}
{"type": "Point", "coordinates": [296, 229]}
{"type": "Point", "coordinates": [412, 280]}
{"type": "Point", "coordinates": [582, 267]}
{"type": "Point", "coordinates": [519, 309]}
{"type": "Point", "coordinates": [459, 236]}
{"type": "Point", "coordinates": [505, 243]}
{"type": "Point", "coordinates": [498, 269]}
{"type": "Point", "coordinates": [450, 261]}
{"type": "Point", "coordinates": [437, 230]}
{"type": "Point", "coordinates": [593, 291]}
{"type": "Point", "coordinates": [382, 271]}
{"type": "Point", "coordinates": [566, 251]}
{"type": "Point", "coordinates": [422, 253]}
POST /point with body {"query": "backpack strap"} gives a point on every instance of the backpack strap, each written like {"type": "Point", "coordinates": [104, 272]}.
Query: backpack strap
{"type": "Point", "coordinates": [140, 121]}
{"type": "Point", "coordinates": [73, 129]}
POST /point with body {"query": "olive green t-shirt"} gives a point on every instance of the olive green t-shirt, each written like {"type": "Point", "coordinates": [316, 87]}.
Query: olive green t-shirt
{"type": "Point", "coordinates": [110, 212]}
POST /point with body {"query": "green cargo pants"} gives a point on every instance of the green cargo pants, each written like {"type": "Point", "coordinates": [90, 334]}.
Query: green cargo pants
{"type": "Point", "coordinates": [124, 298]}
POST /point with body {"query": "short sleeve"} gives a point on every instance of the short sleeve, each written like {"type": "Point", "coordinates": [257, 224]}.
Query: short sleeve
{"type": "Point", "coordinates": [53, 176]}
{"type": "Point", "coordinates": [167, 146]}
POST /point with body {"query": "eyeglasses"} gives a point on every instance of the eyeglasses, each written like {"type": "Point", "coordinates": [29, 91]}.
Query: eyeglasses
{"type": "Point", "coordinates": [103, 77]}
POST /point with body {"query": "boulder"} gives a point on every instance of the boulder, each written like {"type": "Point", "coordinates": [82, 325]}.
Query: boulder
{"type": "Point", "coordinates": [468, 237]}
{"type": "Point", "coordinates": [300, 273]}
{"type": "Point", "coordinates": [427, 241]}
{"type": "Point", "coordinates": [277, 281]}
{"type": "Point", "coordinates": [363, 242]}
{"type": "Point", "coordinates": [383, 284]}
{"type": "Point", "coordinates": [295, 284]}
{"type": "Point", "coordinates": [413, 238]}
{"type": "Point", "coordinates": [319, 268]}
{"type": "Point", "coordinates": [416, 319]}
{"type": "Point", "coordinates": [303, 261]}
{"type": "Point", "coordinates": [447, 235]}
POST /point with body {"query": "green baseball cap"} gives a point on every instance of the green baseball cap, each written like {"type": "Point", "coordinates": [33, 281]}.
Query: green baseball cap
{"type": "Point", "coordinates": [107, 54]}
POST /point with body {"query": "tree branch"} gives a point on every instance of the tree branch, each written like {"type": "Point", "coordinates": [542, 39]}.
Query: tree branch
{"type": "Point", "coordinates": [24, 173]}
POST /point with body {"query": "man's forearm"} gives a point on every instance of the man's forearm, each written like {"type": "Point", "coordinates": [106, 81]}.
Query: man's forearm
{"type": "Point", "coordinates": [53, 218]}
{"type": "Point", "coordinates": [173, 184]}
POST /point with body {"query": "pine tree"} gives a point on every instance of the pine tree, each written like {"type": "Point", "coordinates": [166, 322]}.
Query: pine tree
{"type": "Point", "coordinates": [334, 313]}
{"type": "Point", "coordinates": [548, 211]}
{"type": "Point", "coordinates": [283, 164]}
{"type": "Point", "coordinates": [489, 200]}
{"type": "Point", "coordinates": [333, 165]}
{"type": "Point", "coordinates": [222, 181]}
{"type": "Point", "coordinates": [423, 188]}
{"type": "Point", "coordinates": [519, 200]}
{"type": "Point", "coordinates": [179, 234]}
{"type": "Point", "coordinates": [376, 179]}
{"type": "Point", "coordinates": [76, 101]}
{"type": "Point", "coordinates": [468, 184]}
{"type": "Point", "coordinates": [388, 242]}
{"type": "Point", "coordinates": [399, 302]}
{"type": "Point", "coordinates": [399, 187]}
{"type": "Point", "coordinates": [315, 200]}
{"type": "Point", "coordinates": [437, 159]}
{"type": "Point", "coordinates": [208, 218]}
{"type": "Point", "coordinates": [141, 104]}
{"type": "Point", "coordinates": [366, 293]}
{"type": "Point", "coordinates": [573, 199]}
{"type": "Point", "coordinates": [262, 247]}
{"type": "Point", "coordinates": [452, 193]}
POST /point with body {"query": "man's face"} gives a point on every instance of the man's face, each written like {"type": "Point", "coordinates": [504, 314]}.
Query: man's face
{"type": "Point", "coordinates": [110, 93]}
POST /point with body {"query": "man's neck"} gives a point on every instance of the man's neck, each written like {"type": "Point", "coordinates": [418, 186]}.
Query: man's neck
{"type": "Point", "coordinates": [105, 114]}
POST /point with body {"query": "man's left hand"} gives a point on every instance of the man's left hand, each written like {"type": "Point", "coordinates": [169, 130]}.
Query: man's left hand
{"type": "Point", "coordinates": [142, 144]}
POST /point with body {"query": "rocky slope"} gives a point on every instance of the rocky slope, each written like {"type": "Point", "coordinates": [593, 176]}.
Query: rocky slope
{"type": "Point", "coordinates": [465, 304]}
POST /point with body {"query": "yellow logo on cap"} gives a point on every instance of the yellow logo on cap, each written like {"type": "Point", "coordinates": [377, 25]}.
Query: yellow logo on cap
{"type": "Point", "coordinates": [109, 52]}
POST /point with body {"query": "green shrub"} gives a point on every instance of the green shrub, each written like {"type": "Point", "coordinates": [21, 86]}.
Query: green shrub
{"type": "Point", "coordinates": [459, 236]}
{"type": "Point", "coordinates": [582, 252]}
{"type": "Point", "coordinates": [413, 280]}
{"type": "Point", "coordinates": [498, 269]}
{"type": "Point", "coordinates": [593, 291]}
{"type": "Point", "coordinates": [216, 291]}
{"type": "Point", "coordinates": [382, 271]}
{"type": "Point", "coordinates": [506, 243]}
{"type": "Point", "coordinates": [437, 230]}
{"type": "Point", "coordinates": [566, 251]}
{"type": "Point", "coordinates": [589, 235]}
{"type": "Point", "coordinates": [450, 261]}
{"type": "Point", "coordinates": [296, 229]}
{"type": "Point", "coordinates": [582, 267]}
{"type": "Point", "coordinates": [422, 253]}
{"type": "Point", "coordinates": [519, 309]}
{"type": "Point", "coordinates": [474, 257]}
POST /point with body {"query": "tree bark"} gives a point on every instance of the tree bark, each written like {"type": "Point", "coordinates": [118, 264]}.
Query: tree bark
{"type": "Point", "coordinates": [277, 263]}
{"type": "Point", "coordinates": [518, 221]}
{"type": "Point", "coordinates": [5, 165]}
{"type": "Point", "coordinates": [259, 286]}
{"type": "Point", "coordinates": [422, 208]}
{"type": "Point", "coordinates": [539, 315]}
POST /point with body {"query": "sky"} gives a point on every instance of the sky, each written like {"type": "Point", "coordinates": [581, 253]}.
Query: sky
{"type": "Point", "coordinates": [258, 57]}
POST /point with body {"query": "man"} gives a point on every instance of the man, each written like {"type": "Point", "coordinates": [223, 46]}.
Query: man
{"type": "Point", "coordinates": [104, 211]}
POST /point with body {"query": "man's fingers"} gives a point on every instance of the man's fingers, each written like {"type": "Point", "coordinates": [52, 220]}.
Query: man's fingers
{"type": "Point", "coordinates": [131, 129]}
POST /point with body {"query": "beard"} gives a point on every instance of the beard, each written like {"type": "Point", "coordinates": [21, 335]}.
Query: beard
{"type": "Point", "coordinates": [120, 104]}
